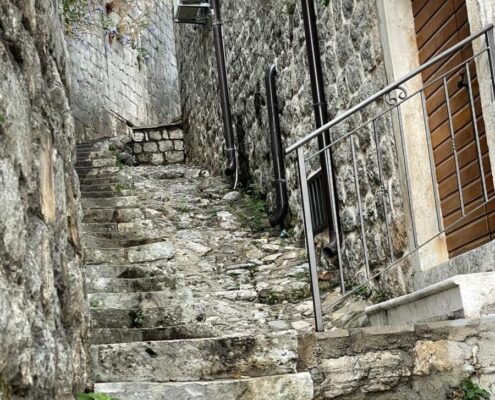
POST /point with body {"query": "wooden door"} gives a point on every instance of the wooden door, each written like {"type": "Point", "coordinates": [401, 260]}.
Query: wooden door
{"type": "Point", "coordinates": [440, 24]}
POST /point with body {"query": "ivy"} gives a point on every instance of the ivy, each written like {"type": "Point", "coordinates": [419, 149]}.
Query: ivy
{"type": "Point", "coordinates": [94, 396]}
{"type": "Point", "coordinates": [473, 392]}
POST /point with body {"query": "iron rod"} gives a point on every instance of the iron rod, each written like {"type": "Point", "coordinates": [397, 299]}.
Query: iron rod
{"type": "Point", "coordinates": [490, 41]}
{"type": "Point", "coordinates": [433, 171]}
{"type": "Point", "coordinates": [401, 101]}
{"type": "Point", "coordinates": [310, 246]}
{"type": "Point", "coordinates": [476, 131]}
{"type": "Point", "coordinates": [408, 176]}
{"type": "Point", "coordinates": [387, 89]}
{"type": "Point", "coordinates": [384, 197]}
{"type": "Point", "coordinates": [454, 148]}
{"type": "Point", "coordinates": [399, 260]}
{"type": "Point", "coordinates": [360, 208]}
{"type": "Point", "coordinates": [231, 167]}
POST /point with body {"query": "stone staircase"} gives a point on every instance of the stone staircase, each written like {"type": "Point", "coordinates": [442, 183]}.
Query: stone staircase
{"type": "Point", "coordinates": [186, 302]}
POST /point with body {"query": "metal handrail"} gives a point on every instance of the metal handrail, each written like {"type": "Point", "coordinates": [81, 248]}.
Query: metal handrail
{"type": "Point", "coordinates": [395, 95]}
{"type": "Point", "coordinates": [388, 89]}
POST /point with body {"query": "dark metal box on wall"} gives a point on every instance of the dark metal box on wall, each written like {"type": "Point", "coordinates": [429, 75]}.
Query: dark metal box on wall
{"type": "Point", "coordinates": [191, 11]}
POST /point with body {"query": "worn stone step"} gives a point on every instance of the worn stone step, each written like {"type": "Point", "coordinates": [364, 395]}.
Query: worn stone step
{"type": "Point", "coordinates": [100, 194]}
{"type": "Point", "coordinates": [151, 317]}
{"type": "Point", "coordinates": [191, 330]}
{"type": "Point", "coordinates": [163, 298]}
{"type": "Point", "coordinates": [106, 187]}
{"type": "Point", "coordinates": [124, 240]}
{"type": "Point", "coordinates": [276, 387]}
{"type": "Point", "coordinates": [90, 154]}
{"type": "Point", "coordinates": [131, 255]}
{"type": "Point", "coordinates": [107, 161]}
{"type": "Point", "coordinates": [113, 178]}
{"type": "Point", "coordinates": [124, 285]}
{"type": "Point", "coordinates": [115, 202]}
{"type": "Point", "coordinates": [117, 215]}
{"type": "Point", "coordinates": [134, 271]}
{"type": "Point", "coordinates": [96, 171]}
{"type": "Point", "coordinates": [99, 228]}
{"type": "Point", "coordinates": [462, 296]}
{"type": "Point", "coordinates": [196, 359]}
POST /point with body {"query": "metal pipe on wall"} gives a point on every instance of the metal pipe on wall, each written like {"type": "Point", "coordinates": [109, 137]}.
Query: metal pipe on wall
{"type": "Point", "coordinates": [320, 110]}
{"type": "Point", "coordinates": [231, 167]}
{"type": "Point", "coordinates": [276, 147]}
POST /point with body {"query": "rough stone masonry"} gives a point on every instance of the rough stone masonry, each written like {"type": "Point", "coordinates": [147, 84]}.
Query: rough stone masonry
{"type": "Point", "coordinates": [43, 312]}
{"type": "Point", "coordinates": [260, 33]}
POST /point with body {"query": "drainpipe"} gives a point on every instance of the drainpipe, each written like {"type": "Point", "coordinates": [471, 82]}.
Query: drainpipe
{"type": "Point", "coordinates": [276, 145]}
{"type": "Point", "coordinates": [231, 167]}
{"type": "Point", "coordinates": [320, 108]}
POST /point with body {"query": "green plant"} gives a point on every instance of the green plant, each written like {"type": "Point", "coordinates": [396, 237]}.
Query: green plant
{"type": "Point", "coordinates": [183, 208]}
{"type": "Point", "coordinates": [324, 2]}
{"type": "Point", "coordinates": [2, 120]}
{"type": "Point", "coordinates": [473, 392]}
{"type": "Point", "coordinates": [120, 187]}
{"type": "Point", "coordinates": [95, 396]}
{"type": "Point", "coordinates": [251, 211]}
{"type": "Point", "coordinates": [94, 303]}
{"type": "Point", "coordinates": [138, 318]}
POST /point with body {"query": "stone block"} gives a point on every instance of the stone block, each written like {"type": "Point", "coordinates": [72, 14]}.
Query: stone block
{"type": "Point", "coordinates": [157, 159]}
{"type": "Point", "coordinates": [155, 135]}
{"type": "Point", "coordinates": [137, 148]}
{"type": "Point", "coordinates": [165, 145]}
{"type": "Point", "coordinates": [175, 157]}
{"type": "Point", "coordinates": [150, 147]}
{"type": "Point", "coordinates": [143, 157]}
{"type": "Point", "coordinates": [176, 134]}
{"type": "Point", "coordinates": [138, 136]}
{"type": "Point", "coordinates": [178, 145]}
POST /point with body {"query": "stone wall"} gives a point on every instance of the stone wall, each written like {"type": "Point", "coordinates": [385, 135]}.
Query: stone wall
{"type": "Point", "coordinates": [263, 32]}
{"type": "Point", "coordinates": [43, 315]}
{"type": "Point", "coordinates": [116, 85]}
{"type": "Point", "coordinates": [422, 362]}
{"type": "Point", "coordinates": [158, 145]}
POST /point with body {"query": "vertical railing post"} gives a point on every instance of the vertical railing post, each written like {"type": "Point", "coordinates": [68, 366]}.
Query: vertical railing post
{"type": "Point", "coordinates": [310, 245]}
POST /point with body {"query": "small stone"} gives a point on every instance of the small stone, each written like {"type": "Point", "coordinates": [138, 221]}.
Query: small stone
{"type": "Point", "coordinates": [270, 248]}
{"type": "Point", "coordinates": [177, 134]}
{"type": "Point", "coordinates": [138, 136]}
{"type": "Point", "coordinates": [155, 135]}
{"type": "Point", "coordinates": [151, 252]}
{"type": "Point", "coordinates": [175, 157]}
{"type": "Point", "coordinates": [165, 145]}
{"type": "Point", "coordinates": [198, 248]}
{"type": "Point", "coordinates": [301, 326]}
{"type": "Point", "coordinates": [279, 325]}
{"type": "Point", "coordinates": [150, 147]}
{"type": "Point", "coordinates": [137, 149]}
{"type": "Point", "coordinates": [156, 159]}
{"type": "Point", "coordinates": [232, 197]}
{"type": "Point", "coordinates": [178, 145]}
{"type": "Point", "coordinates": [271, 257]}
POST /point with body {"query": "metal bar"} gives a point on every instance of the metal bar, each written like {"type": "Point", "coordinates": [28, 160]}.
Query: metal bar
{"type": "Point", "coordinates": [231, 167]}
{"type": "Point", "coordinates": [476, 132]}
{"type": "Point", "coordinates": [401, 101]}
{"type": "Point", "coordinates": [310, 245]}
{"type": "Point", "coordinates": [388, 89]}
{"type": "Point", "coordinates": [452, 137]}
{"type": "Point", "coordinates": [384, 197]}
{"type": "Point", "coordinates": [360, 207]}
{"type": "Point", "coordinates": [490, 41]}
{"type": "Point", "coordinates": [399, 260]}
{"type": "Point", "coordinates": [432, 164]}
{"type": "Point", "coordinates": [408, 176]}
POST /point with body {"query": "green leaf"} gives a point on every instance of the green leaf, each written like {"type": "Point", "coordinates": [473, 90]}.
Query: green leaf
{"type": "Point", "coordinates": [2, 119]}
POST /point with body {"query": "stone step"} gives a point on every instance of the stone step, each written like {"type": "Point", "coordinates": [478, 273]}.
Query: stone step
{"type": "Point", "coordinates": [151, 317]}
{"type": "Point", "coordinates": [196, 359]}
{"type": "Point", "coordinates": [131, 255]}
{"type": "Point", "coordinates": [128, 301]}
{"type": "Point", "coordinates": [100, 228]}
{"type": "Point", "coordinates": [107, 194]}
{"type": "Point", "coordinates": [276, 387]}
{"type": "Point", "coordinates": [124, 285]}
{"type": "Point", "coordinates": [105, 187]}
{"type": "Point", "coordinates": [135, 271]}
{"type": "Point", "coordinates": [111, 202]}
{"type": "Point", "coordinates": [112, 178]}
{"type": "Point", "coordinates": [108, 161]}
{"type": "Point", "coordinates": [85, 154]}
{"type": "Point", "coordinates": [192, 330]}
{"type": "Point", "coordinates": [96, 171]}
{"type": "Point", "coordinates": [117, 215]}
{"type": "Point", "coordinates": [462, 296]}
{"type": "Point", "coordinates": [125, 240]}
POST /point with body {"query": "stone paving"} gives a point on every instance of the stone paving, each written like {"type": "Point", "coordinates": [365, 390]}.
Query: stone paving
{"type": "Point", "coordinates": [187, 301]}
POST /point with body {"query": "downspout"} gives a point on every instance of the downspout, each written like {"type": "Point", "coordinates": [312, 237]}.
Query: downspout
{"type": "Point", "coordinates": [276, 147]}
{"type": "Point", "coordinates": [320, 108]}
{"type": "Point", "coordinates": [231, 166]}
